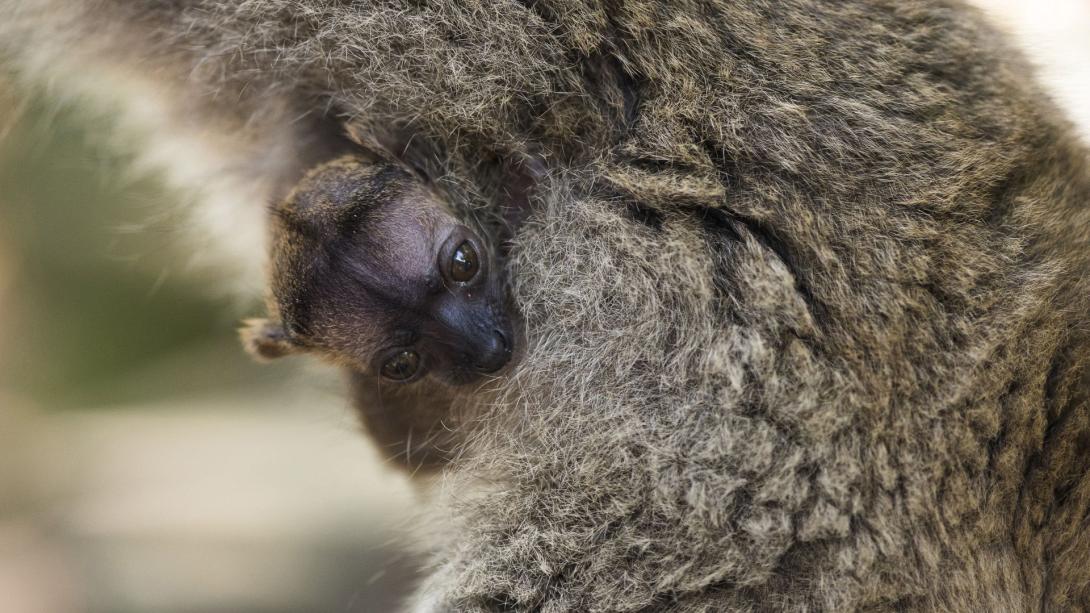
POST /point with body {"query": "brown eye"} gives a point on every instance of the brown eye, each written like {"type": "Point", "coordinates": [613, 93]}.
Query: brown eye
{"type": "Point", "coordinates": [402, 366]}
{"type": "Point", "coordinates": [464, 263]}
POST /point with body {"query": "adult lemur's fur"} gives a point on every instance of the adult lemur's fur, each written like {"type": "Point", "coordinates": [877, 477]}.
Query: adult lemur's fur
{"type": "Point", "coordinates": [803, 285]}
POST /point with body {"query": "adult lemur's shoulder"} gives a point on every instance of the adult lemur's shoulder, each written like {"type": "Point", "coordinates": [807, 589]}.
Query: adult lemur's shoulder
{"type": "Point", "coordinates": [802, 284]}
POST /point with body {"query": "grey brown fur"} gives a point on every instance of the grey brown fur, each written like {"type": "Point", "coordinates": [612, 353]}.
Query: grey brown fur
{"type": "Point", "coordinates": [803, 285]}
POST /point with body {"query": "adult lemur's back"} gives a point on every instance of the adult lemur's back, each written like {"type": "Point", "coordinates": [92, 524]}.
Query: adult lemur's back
{"type": "Point", "coordinates": [803, 283]}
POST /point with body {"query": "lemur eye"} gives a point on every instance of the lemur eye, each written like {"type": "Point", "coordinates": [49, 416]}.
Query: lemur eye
{"type": "Point", "coordinates": [402, 366]}
{"type": "Point", "coordinates": [464, 263]}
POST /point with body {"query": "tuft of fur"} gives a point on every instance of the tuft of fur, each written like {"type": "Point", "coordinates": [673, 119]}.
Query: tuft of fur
{"type": "Point", "coordinates": [803, 283]}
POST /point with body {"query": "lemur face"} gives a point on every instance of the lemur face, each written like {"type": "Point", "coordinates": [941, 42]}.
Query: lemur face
{"type": "Point", "coordinates": [370, 269]}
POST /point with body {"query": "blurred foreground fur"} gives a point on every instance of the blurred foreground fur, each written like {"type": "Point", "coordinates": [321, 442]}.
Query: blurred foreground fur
{"type": "Point", "coordinates": [803, 286]}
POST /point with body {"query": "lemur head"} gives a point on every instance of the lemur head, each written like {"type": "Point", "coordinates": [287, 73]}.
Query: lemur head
{"type": "Point", "coordinates": [371, 269]}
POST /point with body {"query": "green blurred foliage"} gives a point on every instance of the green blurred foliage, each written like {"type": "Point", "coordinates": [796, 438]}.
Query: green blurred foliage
{"type": "Point", "coordinates": [100, 306]}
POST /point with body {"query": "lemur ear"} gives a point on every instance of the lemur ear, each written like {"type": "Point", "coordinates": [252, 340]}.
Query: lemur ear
{"type": "Point", "coordinates": [393, 143]}
{"type": "Point", "coordinates": [358, 135]}
{"type": "Point", "coordinates": [370, 146]}
{"type": "Point", "coordinates": [266, 340]}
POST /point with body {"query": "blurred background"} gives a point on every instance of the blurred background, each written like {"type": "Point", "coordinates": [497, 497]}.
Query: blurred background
{"type": "Point", "coordinates": [146, 464]}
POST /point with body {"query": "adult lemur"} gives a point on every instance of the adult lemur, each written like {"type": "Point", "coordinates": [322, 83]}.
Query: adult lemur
{"type": "Point", "coordinates": [803, 281]}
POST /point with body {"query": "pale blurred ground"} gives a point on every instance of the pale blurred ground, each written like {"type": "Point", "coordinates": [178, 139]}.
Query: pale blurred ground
{"type": "Point", "coordinates": [145, 464]}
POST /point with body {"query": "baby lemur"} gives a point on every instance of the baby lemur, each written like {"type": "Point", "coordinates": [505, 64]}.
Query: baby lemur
{"type": "Point", "coordinates": [370, 270]}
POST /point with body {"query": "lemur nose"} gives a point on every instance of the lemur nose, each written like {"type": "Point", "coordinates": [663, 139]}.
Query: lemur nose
{"type": "Point", "coordinates": [495, 353]}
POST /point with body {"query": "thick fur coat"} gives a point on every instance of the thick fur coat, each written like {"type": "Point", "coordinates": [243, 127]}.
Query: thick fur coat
{"type": "Point", "coordinates": [803, 282]}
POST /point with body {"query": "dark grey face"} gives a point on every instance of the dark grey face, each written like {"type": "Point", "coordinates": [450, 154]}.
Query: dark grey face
{"type": "Point", "coordinates": [370, 268]}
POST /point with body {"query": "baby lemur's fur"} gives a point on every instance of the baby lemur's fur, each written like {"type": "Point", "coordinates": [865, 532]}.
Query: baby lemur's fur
{"type": "Point", "coordinates": [804, 282]}
{"type": "Point", "coordinates": [370, 270]}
